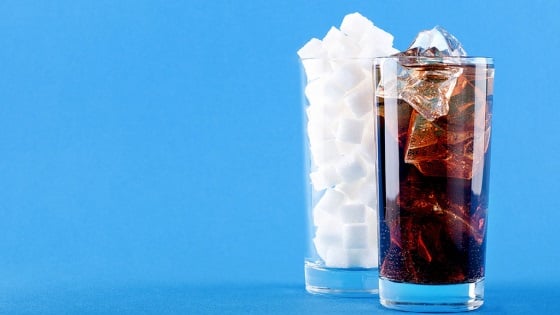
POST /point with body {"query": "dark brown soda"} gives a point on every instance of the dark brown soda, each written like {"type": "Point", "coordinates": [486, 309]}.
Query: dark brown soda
{"type": "Point", "coordinates": [433, 202]}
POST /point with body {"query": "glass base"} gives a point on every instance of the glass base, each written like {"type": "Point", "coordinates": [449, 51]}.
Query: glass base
{"type": "Point", "coordinates": [431, 298]}
{"type": "Point", "coordinates": [344, 282]}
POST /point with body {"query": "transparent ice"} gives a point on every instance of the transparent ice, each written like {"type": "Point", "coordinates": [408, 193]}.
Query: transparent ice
{"type": "Point", "coordinates": [436, 42]}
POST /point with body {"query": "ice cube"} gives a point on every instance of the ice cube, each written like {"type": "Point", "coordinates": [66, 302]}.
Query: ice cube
{"type": "Point", "coordinates": [428, 88]}
{"type": "Point", "coordinates": [436, 42]}
{"type": "Point", "coordinates": [452, 145]}
{"type": "Point", "coordinates": [423, 143]}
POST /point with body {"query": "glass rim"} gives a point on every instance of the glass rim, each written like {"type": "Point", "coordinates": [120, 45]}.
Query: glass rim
{"type": "Point", "coordinates": [441, 59]}
{"type": "Point", "coordinates": [452, 59]}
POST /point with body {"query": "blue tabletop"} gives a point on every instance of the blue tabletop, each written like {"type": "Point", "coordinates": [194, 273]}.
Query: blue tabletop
{"type": "Point", "coordinates": [245, 299]}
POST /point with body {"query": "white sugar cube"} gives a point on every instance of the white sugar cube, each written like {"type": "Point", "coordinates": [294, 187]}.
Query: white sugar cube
{"type": "Point", "coordinates": [349, 75]}
{"type": "Point", "coordinates": [312, 49]}
{"type": "Point", "coordinates": [319, 131]}
{"type": "Point", "coordinates": [332, 93]}
{"type": "Point", "coordinates": [325, 92]}
{"type": "Point", "coordinates": [371, 220]}
{"type": "Point", "coordinates": [356, 25]}
{"type": "Point", "coordinates": [351, 190]}
{"type": "Point", "coordinates": [338, 257]}
{"type": "Point", "coordinates": [333, 107]}
{"type": "Point", "coordinates": [352, 258]}
{"type": "Point", "coordinates": [321, 247]}
{"type": "Point", "coordinates": [368, 194]}
{"type": "Point", "coordinates": [378, 36]}
{"type": "Point", "coordinates": [318, 114]}
{"type": "Point", "coordinates": [344, 148]}
{"type": "Point", "coordinates": [356, 235]}
{"type": "Point", "coordinates": [368, 147]}
{"type": "Point", "coordinates": [333, 38]}
{"type": "Point", "coordinates": [340, 46]}
{"type": "Point", "coordinates": [314, 59]}
{"type": "Point", "coordinates": [322, 217]}
{"type": "Point", "coordinates": [325, 99]}
{"type": "Point", "coordinates": [360, 99]}
{"type": "Point", "coordinates": [316, 68]}
{"type": "Point", "coordinates": [350, 130]}
{"type": "Point", "coordinates": [376, 43]}
{"type": "Point", "coordinates": [324, 177]}
{"type": "Point", "coordinates": [324, 152]}
{"type": "Point", "coordinates": [362, 191]}
{"type": "Point", "coordinates": [314, 92]}
{"type": "Point", "coordinates": [331, 201]}
{"type": "Point", "coordinates": [365, 258]}
{"type": "Point", "coordinates": [351, 168]}
{"type": "Point", "coordinates": [353, 213]}
{"type": "Point", "coordinates": [329, 231]}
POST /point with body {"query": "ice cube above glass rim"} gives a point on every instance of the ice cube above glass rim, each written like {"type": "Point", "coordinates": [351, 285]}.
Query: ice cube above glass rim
{"type": "Point", "coordinates": [427, 89]}
{"type": "Point", "coordinates": [434, 77]}
{"type": "Point", "coordinates": [436, 42]}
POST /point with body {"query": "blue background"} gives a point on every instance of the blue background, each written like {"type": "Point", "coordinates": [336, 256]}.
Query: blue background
{"type": "Point", "coordinates": [152, 158]}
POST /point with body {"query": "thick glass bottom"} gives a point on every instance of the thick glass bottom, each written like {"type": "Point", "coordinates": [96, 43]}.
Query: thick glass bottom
{"type": "Point", "coordinates": [344, 282]}
{"type": "Point", "coordinates": [431, 298]}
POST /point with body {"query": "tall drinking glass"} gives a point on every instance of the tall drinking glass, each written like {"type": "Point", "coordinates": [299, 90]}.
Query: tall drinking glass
{"type": "Point", "coordinates": [342, 254]}
{"type": "Point", "coordinates": [433, 118]}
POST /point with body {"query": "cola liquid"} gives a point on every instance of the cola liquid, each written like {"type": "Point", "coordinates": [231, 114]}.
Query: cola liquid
{"type": "Point", "coordinates": [433, 176]}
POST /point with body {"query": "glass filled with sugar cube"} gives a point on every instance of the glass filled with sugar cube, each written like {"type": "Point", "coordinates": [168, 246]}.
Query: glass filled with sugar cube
{"type": "Point", "coordinates": [339, 127]}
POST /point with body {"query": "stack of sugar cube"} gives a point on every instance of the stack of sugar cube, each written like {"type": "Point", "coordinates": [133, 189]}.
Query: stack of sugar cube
{"type": "Point", "coordinates": [341, 137]}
